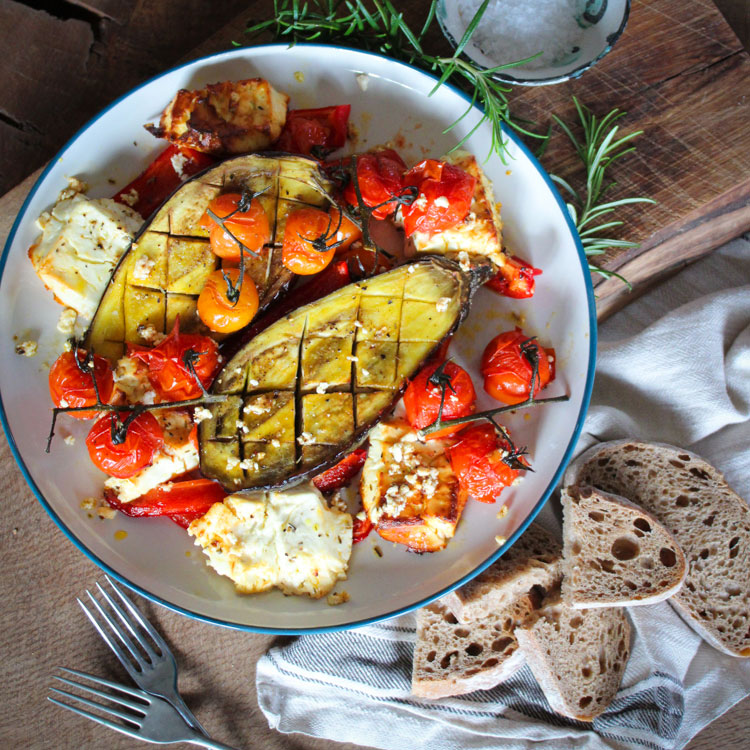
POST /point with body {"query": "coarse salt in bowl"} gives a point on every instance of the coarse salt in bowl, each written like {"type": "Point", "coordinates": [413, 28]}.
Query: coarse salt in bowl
{"type": "Point", "coordinates": [564, 37]}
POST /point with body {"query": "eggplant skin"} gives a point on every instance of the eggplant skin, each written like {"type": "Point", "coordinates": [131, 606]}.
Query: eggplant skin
{"type": "Point", "coordinates": [162, 274]}
{"type": "Point", "coordinates": [308, 389]}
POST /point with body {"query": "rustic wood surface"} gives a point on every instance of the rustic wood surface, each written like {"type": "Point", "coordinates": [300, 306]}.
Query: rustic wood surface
{"type": "Point", "coordinates": [679, 72]}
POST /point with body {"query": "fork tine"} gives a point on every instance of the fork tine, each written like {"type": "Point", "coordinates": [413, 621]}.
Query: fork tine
{"type": "Point", "coordinates": [94, 717]}
{"type": "Point", "coordinates": [118, 652]}
{"type": "Point", "coordinates": [99, 707]}
{"type": "Point", "coordinates": [135, 692]}
{"type": "Point", "coordinates": [138, 615]}
{"type": "Point", "coordinates": [127, 622]}
{"type": "Point", "coordinates": [141, 707]}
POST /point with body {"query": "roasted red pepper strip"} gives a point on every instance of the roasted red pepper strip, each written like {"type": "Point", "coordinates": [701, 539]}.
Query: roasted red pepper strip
{"type": "Point", "coordinates": [360, 529]}
{"type": "Point", "coordinates": [342, 473]}
{"type": "Point", "coordinates": [190, 497]}
{"type": "Point", "coordinates": [315, 132]}
{"type": "Point", "coordinates": [515, 279]}
{"type": "Point", "coordinates": [165, 173]}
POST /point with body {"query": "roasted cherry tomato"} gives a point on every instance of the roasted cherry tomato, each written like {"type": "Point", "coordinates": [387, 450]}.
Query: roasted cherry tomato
{"type": "Point", "coordinates": [379, 175]}
{"type": "Point", "coordinates": [167, 372]}
{"type": "Point", "coordinates": [515, 279]}
{"type": "Point", "coordinates": [216, 309]}
{"type": "Point", "coordinates": [342, 473]}
{"type": "Point", "coordinates": [173, 165]}
{"type": "Point", "coordinates": [346, 231]}
{"type": "Point", "coordinates": [193, 496]}
{"type": "Point", "coordinates": [250, 227]}
{"type": "Point", "coordinates": [422, 398]}
{"type": "Point", "coordinates": [507, 370]}
{"type": "Point", "coordinates": [122, 460]}
{"type": "Point", "coordinates": [314, 132]}
{"type": "Point", "coordinates": [309, 241]}
{"type": "Point", "coordinates": [444, 197]}
{"type": "Point", "coordinates": [477, 460]}
{"type": "Point", "coordinates": [70, 385]}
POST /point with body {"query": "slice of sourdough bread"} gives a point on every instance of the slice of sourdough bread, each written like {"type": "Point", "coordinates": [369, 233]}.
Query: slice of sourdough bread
{"type": "Point", "coordinates": [534, 560]}
{"type": "Point", "coordinates": [452, 659]}
{"type": "Point", "coordinates": [614, 553]}
{"type": "Point", "coordinates": [706, 517]}
{"type": "Point", "coordinates": [578, 656]}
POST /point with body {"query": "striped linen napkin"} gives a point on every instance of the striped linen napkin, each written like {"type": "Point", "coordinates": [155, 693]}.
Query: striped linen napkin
{"type": "Point", "coordinates": [673, 367]}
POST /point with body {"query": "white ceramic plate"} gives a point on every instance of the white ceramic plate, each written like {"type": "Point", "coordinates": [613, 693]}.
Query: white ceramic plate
{"type": "Point", "coordinates": [156, 557]}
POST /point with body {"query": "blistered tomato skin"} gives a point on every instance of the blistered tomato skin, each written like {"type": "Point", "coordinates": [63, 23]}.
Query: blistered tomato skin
{"type": "Point", "coordinates": [380, 179]}
{"type": "Point", "coordinates": [309, 241]}
{"type": "Point", "coordinates": [71, 385]}
{"type": "Point", "coordinates": [251, 227]}
{"type": "Point", "coordinates": [215, 308]}
{"type": "Point", "coordinates": [143, 440]}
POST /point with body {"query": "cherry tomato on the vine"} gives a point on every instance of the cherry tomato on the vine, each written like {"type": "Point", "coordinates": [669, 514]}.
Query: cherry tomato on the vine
{"type": "Point", "coordinates": [314, 132]}
{"type": "Point", "coordinates": [444, 197]}
{"type": "Point", "coordinates": [216, 309]}
{"type": "Point", "coordinates": [70, 385]}
{"type": "Point", "coordinates": [515, 279]}
{"type": "Point", "coordinates": [250, 227]}
{"type": "Point", "coordinates": [309, 241]}
{"type": "Point", "coordinates": [122, 460]}
{"type": "Point", "coordinates": [477, 460]}
{"type": "Point", "coordinates": [167, 372]}
{"type": "Point", "coordinates": [422, 398]}
{"type": "Point", "coordinates": [507, 371]}
{"type": "Point", "coordinates": [379, 175]}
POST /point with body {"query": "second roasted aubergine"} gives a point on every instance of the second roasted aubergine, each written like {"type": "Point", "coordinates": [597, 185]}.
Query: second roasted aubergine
{"type": "Point", "coordinates": [308, 389]}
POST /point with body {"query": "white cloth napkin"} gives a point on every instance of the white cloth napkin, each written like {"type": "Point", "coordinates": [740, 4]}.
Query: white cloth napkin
{"type": "Point", "coordinates": [672, 367]}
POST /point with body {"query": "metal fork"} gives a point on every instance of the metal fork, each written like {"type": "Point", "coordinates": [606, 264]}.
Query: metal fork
{"type": "Point", "coordinates": [153, 669]}
{"type": "Point", "coordinates": [141, 716]}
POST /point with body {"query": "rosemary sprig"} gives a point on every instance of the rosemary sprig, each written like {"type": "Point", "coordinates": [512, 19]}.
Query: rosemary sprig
{"type": "Point", "coordinates": [377, 26]}
{"type": "Point", "coordinates": [598, 149]}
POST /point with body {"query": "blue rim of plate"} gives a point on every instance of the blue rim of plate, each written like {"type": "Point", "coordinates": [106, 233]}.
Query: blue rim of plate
{"type": "Point", "coordinates": [388, 615]}
{"type": "Point", "coordinates": [575, 73]}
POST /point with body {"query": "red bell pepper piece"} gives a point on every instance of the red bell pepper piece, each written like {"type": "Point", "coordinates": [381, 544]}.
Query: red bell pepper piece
{"type": "Point", "coordinates": [315, 132]}
{"type": "Point", "coordinates": [342, 473]}
{"type": "Point", "coordinates": [515, 279]}
{"type": "Point", "coordinates": [360, 529]}
{"type": "Point", "coordinates": [162, 177]}
{"type": "Point", "coordinates": [180, 499]}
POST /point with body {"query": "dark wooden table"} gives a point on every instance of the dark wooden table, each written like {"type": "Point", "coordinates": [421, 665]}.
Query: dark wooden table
{"type": "Point", "coordinates": [64, 60]}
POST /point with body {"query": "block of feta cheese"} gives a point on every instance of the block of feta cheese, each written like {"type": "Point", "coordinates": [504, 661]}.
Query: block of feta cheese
{"type": "Point", "coordinates": [82, 240]}
{"type": "Point", "coordinates": [289, 539]}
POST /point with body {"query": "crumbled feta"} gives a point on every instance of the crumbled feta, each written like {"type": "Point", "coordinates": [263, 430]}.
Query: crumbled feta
{"type": "Point", "coordinates": [232, 463]}
{"type": "Point", "coordinates": [150, 335]}
{"type": "Point", "coordinates": [254, 409]}
{"type": "Point", "coordinates": [275, 443]}
{"type": "Point", "coordinates": [337, 597]}
{"type": "Point", "coordinates": [352, 358]}
{"type": "Point", "coordinates": [201, 413]}
{"type": "Point", "coordinates": [66, 323]}
{"type": "Point", "coordinates": [104, 511]}
{"type": "Point", "coordinates": [178, 164]}
{"type": "Point", "coordinates": [305, 438]}
{"type": "Point", "coordinates": [411, 269]}
{"type": "Point", "coordinates": [131, 378]}
{"type": "Point", "coordinates": [363, 81]}
{"type": "Point", "coordinates": [502, 512]}
{"type": "Point", "coordinates": [89, 503]}
{"type": "Point", "coordinates": [242, 427]}
{"type": "Point", "coordinates": [365, 373]}
{"type": "Point", "coordinates": [69, 440]}
{"type": "Point", "coordinates": [130, 198]}
{"type": "Point", "coordinates": [442, 201]}
{"type": "Point", "coordinates": [463, 261]}
{"type": "Point", "coordinates": [248, 464]}
{"type": "Point", "coordinates": [143, 267]}
{"type": "Point", "coordinates": [27, 348]}
{"type": "Point", "coordinates": [253, 382]}
{"type": "Point", "coordinates": [442, 304]}
{"type": "Point", "coordinates": [322, 387]}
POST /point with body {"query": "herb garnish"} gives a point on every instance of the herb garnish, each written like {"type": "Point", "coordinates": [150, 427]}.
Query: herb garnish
{"type": "Point", "coordinates": [598, 150]}
{"type": "Point", "coordinates": [377, 26]}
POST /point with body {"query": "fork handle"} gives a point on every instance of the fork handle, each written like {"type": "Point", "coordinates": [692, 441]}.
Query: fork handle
{"type": "Point", "coordinates": [186, 713]}
{"type": "Point", "coordinates": [207, 742]}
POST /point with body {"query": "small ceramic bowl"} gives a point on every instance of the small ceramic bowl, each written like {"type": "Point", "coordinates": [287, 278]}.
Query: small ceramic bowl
{"type": "Point", "coordinates": [601, 23]}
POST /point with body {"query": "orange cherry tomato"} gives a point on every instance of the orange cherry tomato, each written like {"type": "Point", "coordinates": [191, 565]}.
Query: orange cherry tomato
{"type": "Point", "coordinates": [167, 372]}
{"type": "Point", "coordinates": [220, 313]}
{"type": "Point", "coordinates": [250, 227]}
{"type": "Point", "coordinates": [122, 460]}
{"type": "Point", "coordinates": [507, 371]}
{"type": "Point", "coordinates": [309, 241]}
{"type": "Point", "coordinates": [422, 398]}
{"type": "Point", "coordinates": [477, 460]}
{"type": "Point", "coordinates": [445, 193]}
{"type": "Point", "coordinates": [70, 385]}
{"type": "Point", "coordinates": [346, 231]}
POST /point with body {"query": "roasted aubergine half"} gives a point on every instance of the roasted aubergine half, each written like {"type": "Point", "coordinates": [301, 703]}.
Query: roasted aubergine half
{"type": "Point", "coordinates": [162, 274]}
{"type": "Point", "coordinates": [308, 389]}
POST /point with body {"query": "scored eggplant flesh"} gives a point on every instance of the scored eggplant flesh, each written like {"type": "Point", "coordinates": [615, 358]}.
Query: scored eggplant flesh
{"type": "Point", "coordinates": [308, 389]}
{"type": "Point", "coordinates": [162, 274]}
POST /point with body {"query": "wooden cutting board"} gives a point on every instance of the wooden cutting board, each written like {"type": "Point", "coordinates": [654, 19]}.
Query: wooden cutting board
{"type": "Point", "coordinates": [678, 71]}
